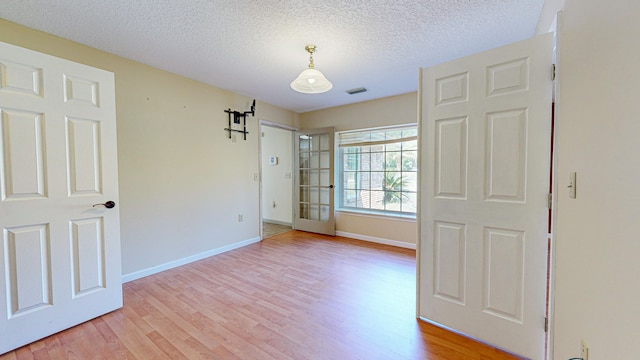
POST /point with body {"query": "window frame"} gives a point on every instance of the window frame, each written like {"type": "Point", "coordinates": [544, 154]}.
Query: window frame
{"type": "Point", "coordinates": [340, 172]}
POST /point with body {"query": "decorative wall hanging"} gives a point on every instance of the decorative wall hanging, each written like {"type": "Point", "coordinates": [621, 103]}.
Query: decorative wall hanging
{"type": "Point", "coordinates": [236, 119]}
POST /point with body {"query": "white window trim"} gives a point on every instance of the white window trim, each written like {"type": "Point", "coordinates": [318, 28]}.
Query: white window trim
{"type": "Point", "coordinates": [339, 175]}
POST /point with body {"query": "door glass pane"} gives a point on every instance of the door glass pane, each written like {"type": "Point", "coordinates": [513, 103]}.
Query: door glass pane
{"type": "Point", "coordinates": [314, 212]}
{"type": "Point", "coordinates": [304, 143]}
{"type": "Point", "coordinates": [304, 177]}
{"type": "Point", "coordinates": [324, 213]}
{"type": "Point", "coordinates": [304, 211]}
{"type": "Point", "coordinates": [324, 142]}
{"type": "Point", "coordinates": [315, 142]}
{"type": "Point", "coordinates": [314, 177]}
{"type": "Point", "coordinates": [315, 160]}
{"type": "Point", "coordinates": [325, 178]}
{"type": "Point", "coordinates": [314, 195]}
{"type": "Point", "coordinates": [304, 160]}
{"type": "Point", "coordinates": [304, 194]}
{"type": "Point", "coordinates": [324, 196]}
{"type": "Point", "coordinates": [324, 159]}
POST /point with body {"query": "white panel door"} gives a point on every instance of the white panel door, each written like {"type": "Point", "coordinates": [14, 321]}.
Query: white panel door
{"type": "Point", "coordinates": [486, 130]}
{"type": "Point", "coordinates": [314, 205]}
{"type": "Point", "coordinates": [59, 254]}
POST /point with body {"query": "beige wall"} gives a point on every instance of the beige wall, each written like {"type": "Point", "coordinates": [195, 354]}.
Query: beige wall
{"type": "Point", "coordinates": [598, 126]}
{"type": "Point", "coordinates": [182, 182]}
{"type": "Point", "coordinates": [395, 110]}
{"type": "Point", "coordinates": [277, 188]}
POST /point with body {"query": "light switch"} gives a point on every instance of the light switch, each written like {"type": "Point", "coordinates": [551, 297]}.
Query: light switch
{"type": "Point", "coordinates": [572, 185]}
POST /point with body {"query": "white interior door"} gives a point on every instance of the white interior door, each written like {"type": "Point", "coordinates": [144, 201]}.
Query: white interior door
{"type": "Point", "coordinates": [485, 130]}
{"type": "Point", "coordinates": [313, 156]}
{"type": "Point", "coordinates": [59, 255]}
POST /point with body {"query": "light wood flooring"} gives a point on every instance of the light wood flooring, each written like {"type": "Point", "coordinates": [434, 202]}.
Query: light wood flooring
{"type": "Point", "coordinates": [271, 229]}
{"type": "Point", "coordinates": [293, 296]}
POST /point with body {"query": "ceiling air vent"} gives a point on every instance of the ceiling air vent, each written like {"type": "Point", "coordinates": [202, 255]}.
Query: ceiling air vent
{"type": "Point", "coordinates": [356, 91]}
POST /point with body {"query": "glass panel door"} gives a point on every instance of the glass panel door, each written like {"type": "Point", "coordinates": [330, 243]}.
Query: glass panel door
{"type": "Point", "coordinates": [314, 181]}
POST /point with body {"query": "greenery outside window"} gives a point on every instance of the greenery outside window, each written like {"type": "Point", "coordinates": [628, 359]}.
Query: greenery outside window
{"type": "Point", "coordinates": [378, 170]}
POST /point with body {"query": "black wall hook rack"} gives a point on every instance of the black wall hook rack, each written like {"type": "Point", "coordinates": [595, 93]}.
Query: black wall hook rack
{"type": "Point", "coordinates": [236, 119]}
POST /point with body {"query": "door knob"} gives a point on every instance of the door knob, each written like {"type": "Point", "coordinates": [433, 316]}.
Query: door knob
{"type": "Point", "coordinates": [109, 204]}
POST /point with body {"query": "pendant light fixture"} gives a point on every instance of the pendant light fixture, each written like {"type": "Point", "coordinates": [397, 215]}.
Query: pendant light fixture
{"type": "Point", "coordinates": [311, 81]}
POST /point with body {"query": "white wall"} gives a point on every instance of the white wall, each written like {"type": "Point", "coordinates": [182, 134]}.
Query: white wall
{"type": "Point", "coordinates": [394, 110]}
{"type": "Point", "coordinates": [182, 182]}
{"type": "Point", "coordinates": [598, 131]}
{"type": "Point", "coordinates": [277, 180]}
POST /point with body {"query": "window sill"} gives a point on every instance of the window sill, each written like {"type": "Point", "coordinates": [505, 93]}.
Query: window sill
{"type": "Point", "coordinates": [374, 214]}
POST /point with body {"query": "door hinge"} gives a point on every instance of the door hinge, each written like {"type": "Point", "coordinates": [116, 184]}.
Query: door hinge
{"type": "Point", "coordinates": [550, 201]}
{"type": "Point", "coordinates": [546, 324]}
{"type": "Point", "coordinates": [553, 72]}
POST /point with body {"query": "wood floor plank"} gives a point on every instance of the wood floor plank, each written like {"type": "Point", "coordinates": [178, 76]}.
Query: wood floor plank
{"type": "Point", "coordinates": [295, 295]}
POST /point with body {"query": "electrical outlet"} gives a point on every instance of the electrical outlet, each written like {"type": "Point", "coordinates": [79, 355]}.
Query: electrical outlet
{"type": "Point", "coordinates": [256, 177]}
{"type": "Point", "coordinates": [240, 218]}
{"type": "Point", "coordinates": [584, 350]}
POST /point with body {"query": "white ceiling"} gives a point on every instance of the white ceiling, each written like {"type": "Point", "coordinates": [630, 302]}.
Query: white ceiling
{"type": "Point", "coordinates": [256, 47]}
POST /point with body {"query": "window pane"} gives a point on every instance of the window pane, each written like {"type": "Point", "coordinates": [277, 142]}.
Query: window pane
{"type": "Point", "coordinates": [364, 199]}
{"type": "Point", "coordinates": [377, 200]}
{"type": "Point", "coordinates": [349, 198]}
{"type": "Point", "coordinates": [410, 145]}
{"type": "Point", "coordinates": [377, 161]}
{"type": "Point", "coordinates": [377, 179]}
{"type": "Point", "coordinates": [365, 162]}
{"type": "Point", "coordinates": [392, 160]}
{"type": "Point", "coordinates": [349, 180]}
{"type": "Point", "coordinates": [381, 177]}
{"type": "Point", "coordinates": [410, 181]}
{"type": "Point", "coordinates": [364, 180]}
{"type": "Point", "coordinates": [409, 202]}
{"type": "Point", "coordinates": [410, 160]}
{"type": "Point", "coordinates": [350, 162]}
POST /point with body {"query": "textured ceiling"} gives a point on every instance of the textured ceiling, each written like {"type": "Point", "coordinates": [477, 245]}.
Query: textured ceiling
{"type": "Point", "coordinates": [256, 47]}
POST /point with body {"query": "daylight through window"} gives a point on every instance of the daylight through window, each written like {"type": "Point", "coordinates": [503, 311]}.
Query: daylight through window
{"type": "Point", "coordinates": [379, 170]}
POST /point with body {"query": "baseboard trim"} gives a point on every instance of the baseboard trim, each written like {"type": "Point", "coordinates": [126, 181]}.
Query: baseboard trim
{"type": "Point", "coordinates": [189, 259]}
{"type": "Point", "coordinates": [376, 240]}
{"type": "Point", "coordinates": [277, 222]}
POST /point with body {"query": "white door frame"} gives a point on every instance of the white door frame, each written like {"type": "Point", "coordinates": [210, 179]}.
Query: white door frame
{"type": "Point", "coordinates": [262, 123]}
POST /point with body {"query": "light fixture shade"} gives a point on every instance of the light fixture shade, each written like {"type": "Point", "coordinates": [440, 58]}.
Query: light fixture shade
{"type": "Point", "coordinates": [311, 81]}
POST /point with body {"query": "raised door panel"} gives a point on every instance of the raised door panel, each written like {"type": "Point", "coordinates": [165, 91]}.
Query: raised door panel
{"type": "Point", "coordinates": [22, 147]}
{"type": "Point", "coordinates": [84, 157]}
{"type": "Point", "coordinates": [88, 256]}
{"type": "Point", "coordinates": [27, 262]}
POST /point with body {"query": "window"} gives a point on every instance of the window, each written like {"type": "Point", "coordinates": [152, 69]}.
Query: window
{"type": "Point", "coordinates": [378, 170]}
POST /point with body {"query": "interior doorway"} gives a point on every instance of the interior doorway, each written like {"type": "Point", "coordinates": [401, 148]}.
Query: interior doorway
{"type": "Point", "coordinates": [276, 178]}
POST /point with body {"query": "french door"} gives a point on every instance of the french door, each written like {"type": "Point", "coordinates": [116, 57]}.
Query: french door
{"type": "Point", "coordinates": [314, 190]}
{"type": "Point", "coordinates": [60, 240]}
{"type": "Point", "coordinates": [486, 130]}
